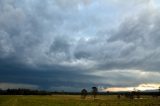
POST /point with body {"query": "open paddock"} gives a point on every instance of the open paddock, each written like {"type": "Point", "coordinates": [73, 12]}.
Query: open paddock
{"type": "Point", "coordinates": [75, 100]}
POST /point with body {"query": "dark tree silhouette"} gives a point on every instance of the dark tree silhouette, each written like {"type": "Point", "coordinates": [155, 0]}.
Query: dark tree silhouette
{"type": "Point", "coordinates": [83, 93]}
{"type": "Point", "coordinates": [118, 96]}
{"type": "Point", "coordinates": [94, 92]}
{"type": "Point", "coordinates": [138, 94]}
{"type": "Point", "coordinates": [132, 94]}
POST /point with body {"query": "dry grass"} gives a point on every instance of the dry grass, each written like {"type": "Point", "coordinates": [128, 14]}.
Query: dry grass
{"type": "Point", "coordinates": [71, 100]}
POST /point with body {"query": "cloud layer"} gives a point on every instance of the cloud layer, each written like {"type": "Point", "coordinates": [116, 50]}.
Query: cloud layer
{"type": "Point", "coordinates": [79, 43]}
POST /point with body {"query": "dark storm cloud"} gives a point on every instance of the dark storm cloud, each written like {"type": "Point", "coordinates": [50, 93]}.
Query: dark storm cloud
{"type": "Point", "coordinates": [60, 45]}
{"type": "Point", "coordinates": [46, 77]}
{"type": "Point", "coordinates": [67, 44]}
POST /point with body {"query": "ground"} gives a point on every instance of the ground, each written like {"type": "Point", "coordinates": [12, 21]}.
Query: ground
{"type": "Point", "coordinates": [71, 100]}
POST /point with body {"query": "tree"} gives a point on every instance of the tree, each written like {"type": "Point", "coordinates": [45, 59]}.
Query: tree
{"type": "Point", "coordinates": [83, 93]}
{"type": "Point", "coordinates": [94, 92]}
{"type": "Point", "coordinates": [138, 94]}
{"type": "Point", "coordinates": [118, 96]}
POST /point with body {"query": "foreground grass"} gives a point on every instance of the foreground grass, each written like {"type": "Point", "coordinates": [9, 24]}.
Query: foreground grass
{"type": "Point", "coordinates": [69, 100]}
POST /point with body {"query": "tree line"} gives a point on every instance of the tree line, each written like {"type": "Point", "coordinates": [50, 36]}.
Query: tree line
{"type": "Point", "coordinates": [94, 92]}
{"type": "Point", "coordinates": [23, 92]}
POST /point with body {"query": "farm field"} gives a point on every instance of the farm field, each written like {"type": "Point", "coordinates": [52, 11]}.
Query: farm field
{"type": "Point", "coordinates": [72, 100]}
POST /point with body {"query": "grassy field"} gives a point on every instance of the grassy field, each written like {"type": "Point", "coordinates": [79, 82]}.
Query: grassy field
{"type": "Point", "coordinates": [68, 100]}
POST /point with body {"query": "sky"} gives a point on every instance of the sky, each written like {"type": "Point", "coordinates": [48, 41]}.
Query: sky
{"type": "Point", "coordinates": [73, 44]}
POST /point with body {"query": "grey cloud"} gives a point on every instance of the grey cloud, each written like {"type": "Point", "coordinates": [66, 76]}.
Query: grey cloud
{"type": "Point", "coordinates": [133, 46]}
{"type": "Point", "coordinates": [140, 34]}
{"type": "Point", "coordinates": [72, 3]}
{"type": "Point", "coordinates": [40, 37]}
{"type": "Point", "coordinates": [60, 45]}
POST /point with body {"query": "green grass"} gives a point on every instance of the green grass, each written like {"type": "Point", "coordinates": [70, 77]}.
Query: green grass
{"type": "Point", "coordinates": [69, 100]}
